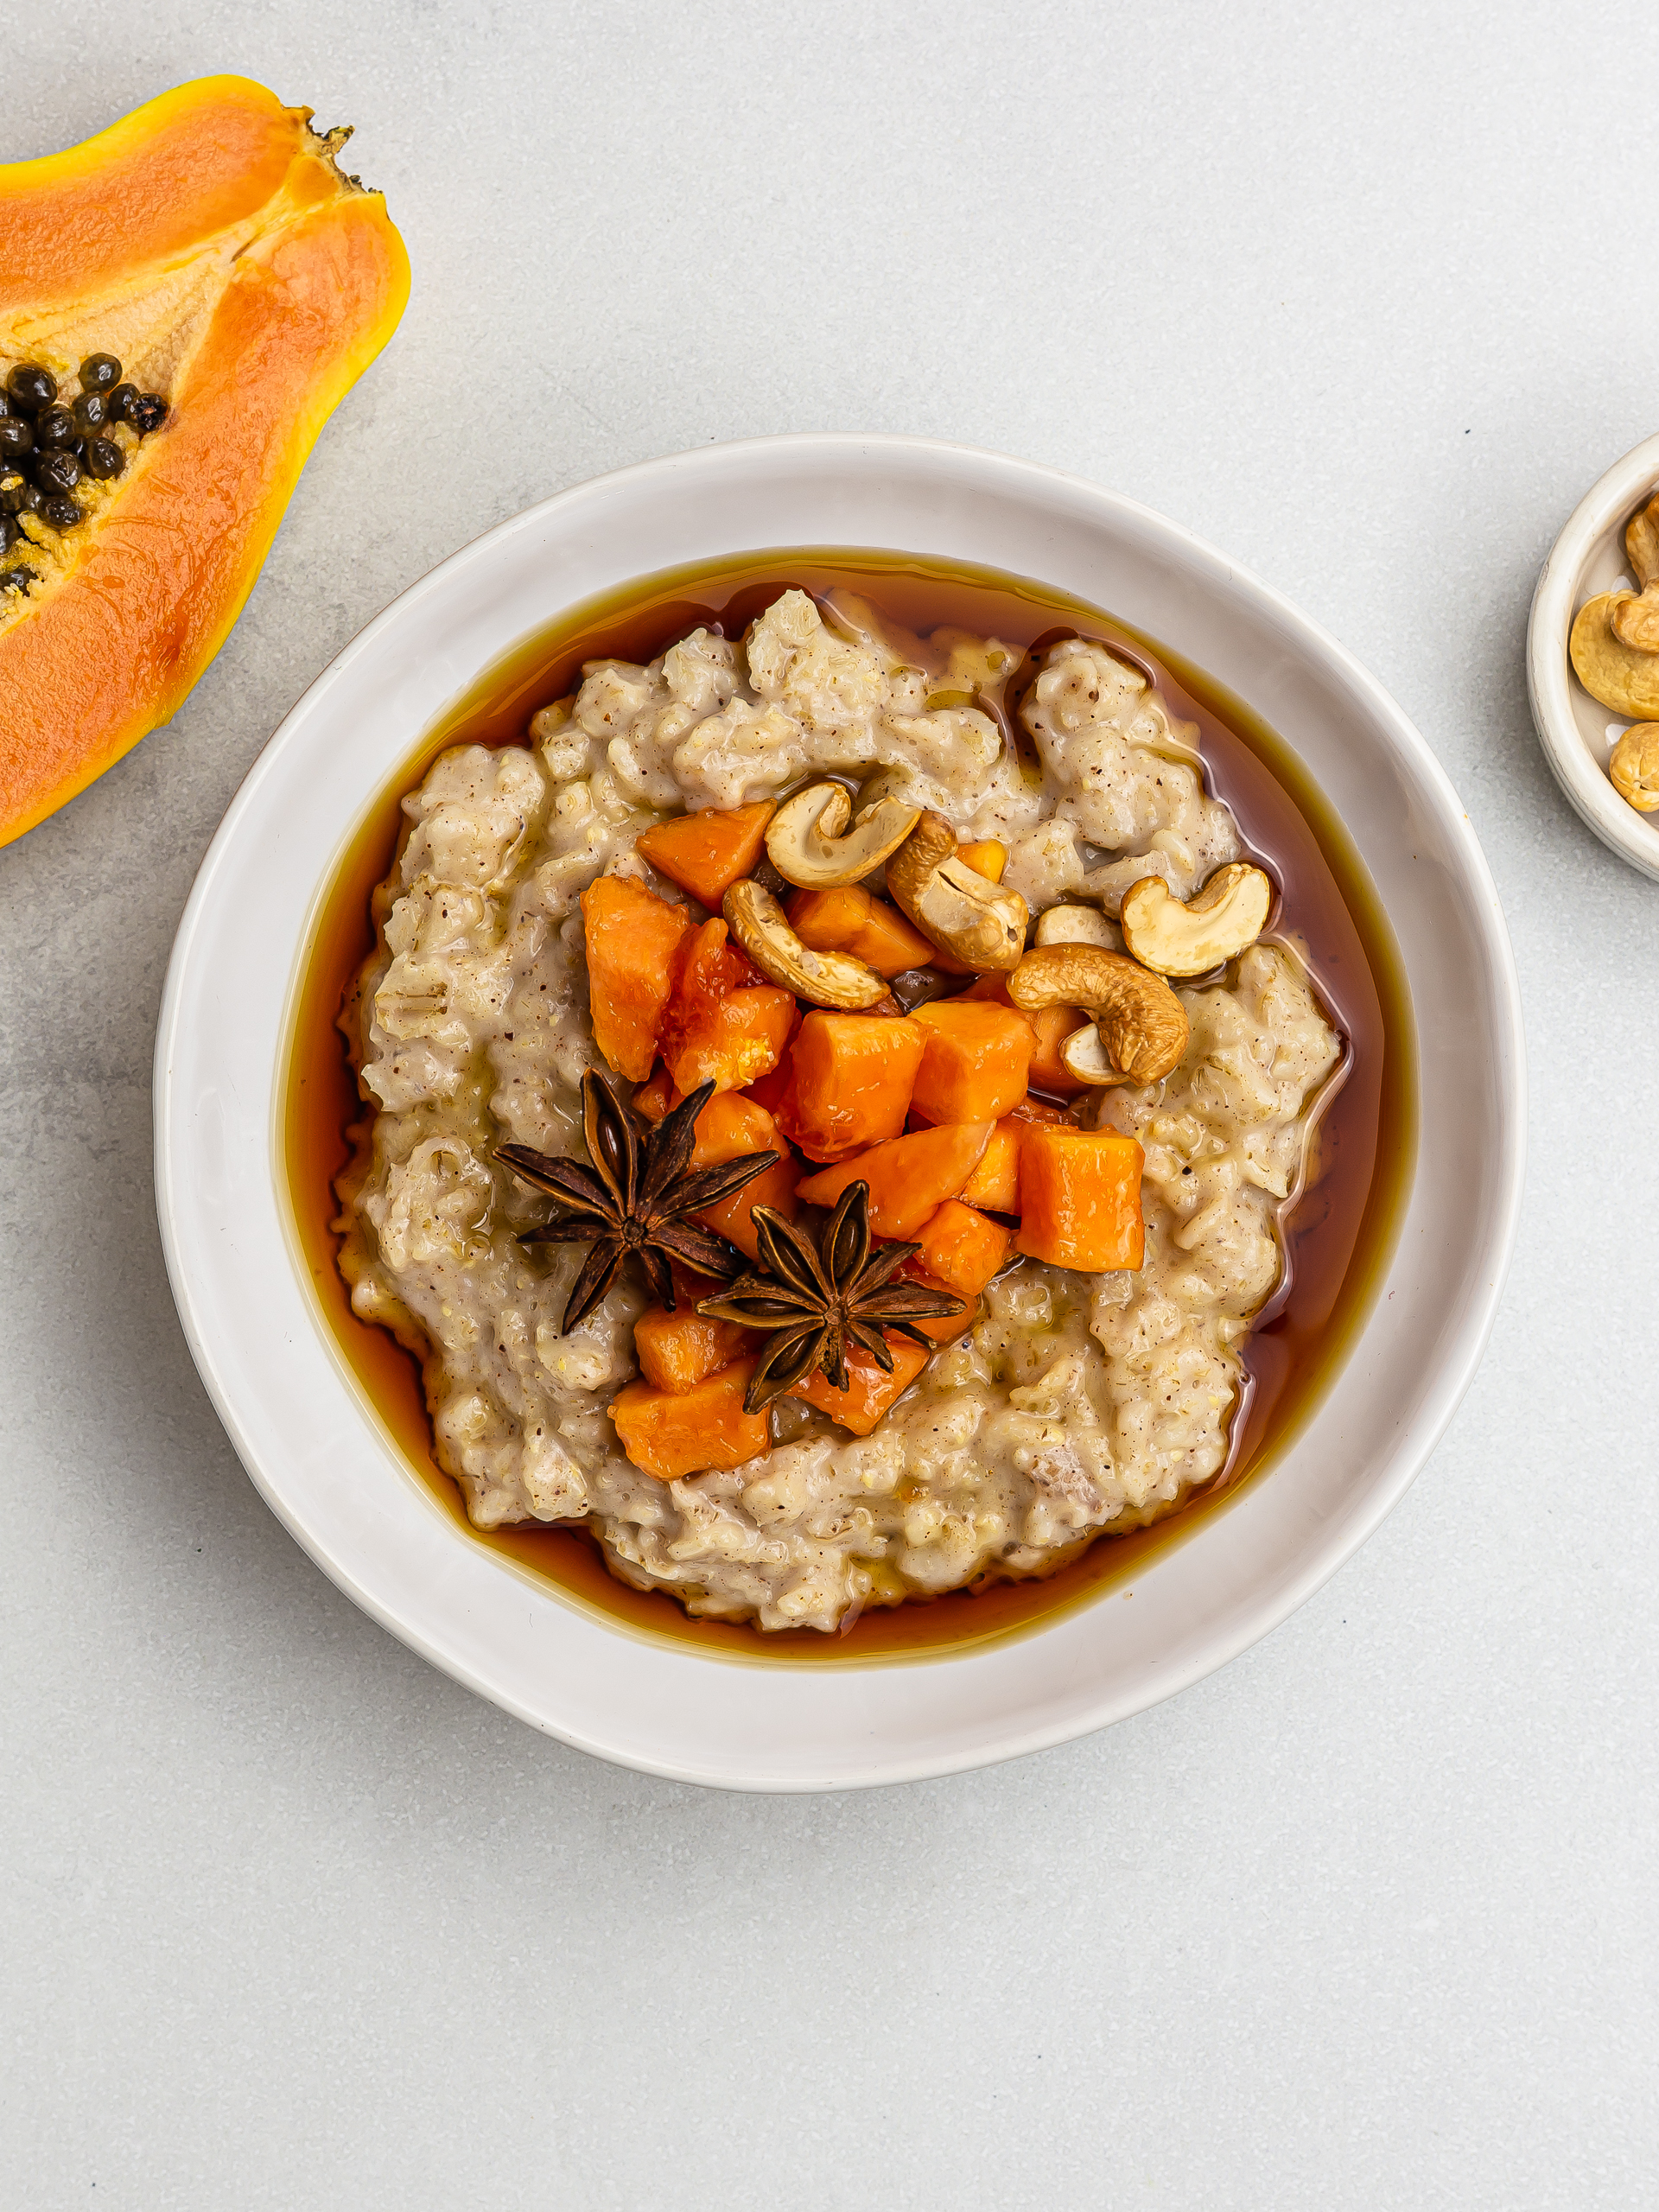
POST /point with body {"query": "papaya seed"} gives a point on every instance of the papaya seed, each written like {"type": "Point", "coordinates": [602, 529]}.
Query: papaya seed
{"type": "Point", "coordinates": [31, 387]}
{"type": "Point", "coordinates": [16, 437]}
{"type": "Point", "coordinates": [98, 371]}
{"type": "Point", "coordinates": [104, 458]}
{"type": "Point", "coordinates": [150, 414]}
{"type": "Point", "coordinates": [60, 512]}
{"type": "Point", "coordinates": [91, 411]}
{"type": "Point", "coordinates": [55, 428]}
{"type": "Point", "coordinates": [57, 472]}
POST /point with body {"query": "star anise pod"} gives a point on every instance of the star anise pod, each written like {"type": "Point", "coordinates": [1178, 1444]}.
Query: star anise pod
{"type": "Point", "coordinates": [634, 1198]}
{"type": "Point", "coordinates": [817, 1296]}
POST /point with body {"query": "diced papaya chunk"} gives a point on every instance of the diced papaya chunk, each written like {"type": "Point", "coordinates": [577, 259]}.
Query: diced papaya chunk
{"type": "Point", "coordinates": [729, 1127]}
{"type": "Point", "coordinates": [738, 1041]}
{"type": "Point", "coordinates": [961, 1248]}
{"type": "Point", "coordinates": [677, 1350]}
{"type": "Point", "coordinates": [848, 919]}
{"type": "Point", "coordinates": [706, 853]}
{"type": "Point", "coordinates": [633, 941]}
{"type": "Point", "coordinates": [1036, 1109]}
{"type": "Point", "coordinates": [890, 944]}
{"type": "Point", "coordinates": [654, 1097]}
{"type": "Point", "coordinates": [669, 1434]}
{"type": "Point", "coordinates": [1080, 1198]}
{"type": "Point", "coordinates": [986, 858]}
{"type": "Point", "coordinates": [870, 1391]}
{"type": "Point", "coordinates": [829, 920]}
{"type": "Point", "coordinates": [851, 1081]}
{"type": "Point", "coordinates": [909, 1178]}
{"type": "Point", "coordinates": [723, 1025]}
{"type": "Point", "coordinates": [1054, 1024]}
{"type": "Point", "coordinates": [732, 1218]}
{"type": "Point", "coordinates": [995, 1182]}
{"type": "Point", "coordinates": [975, 1061]}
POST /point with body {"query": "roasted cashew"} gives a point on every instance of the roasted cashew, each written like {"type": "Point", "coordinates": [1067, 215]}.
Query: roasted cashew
{"type": "Point", "coordinates": [1172, 939]}
{"type": "Point", "coordinates": [957, 909]}
{"type": "Point", "coordinates": [1634, 767]}
{"type": "Point", "coordinates": [834, 979]}
{"type": "Point", "coordinates": [1635, 622]}
{"type": "Point", "coordinates": [1143, 1024]}
{"type": "Point", "coordinates": [807, 844]}
{"type": "Point", "coordinates": [1620, 676]}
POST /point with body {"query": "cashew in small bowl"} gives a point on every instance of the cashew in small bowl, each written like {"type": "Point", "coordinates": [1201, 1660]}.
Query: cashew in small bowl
{"type": "Point", "coordinates": [833, 979]}
{"type": "Point", "coordinates": [1635, 622]}
{"type": "Point", "coordinates": [808, 841]}
{"type": "Point", "coordinates": [1142, 1026]}
{"type": "Point", "coordinates": [1635, 766]}
{"type": "Point", "coordinates": [955, 907]}
{"type": "Point", "coordinates": [1619, 675]}
{"type": "Point", "coordinates": [1076, 925]}
{"type": "Point", "coordinates": [1215, 926]}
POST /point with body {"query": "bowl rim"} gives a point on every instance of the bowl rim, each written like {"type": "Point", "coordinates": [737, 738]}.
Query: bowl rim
{"type": "Point", "coordinates": [1550, 680]}
{"type": "Point", "coordinates": [1458, 1353]}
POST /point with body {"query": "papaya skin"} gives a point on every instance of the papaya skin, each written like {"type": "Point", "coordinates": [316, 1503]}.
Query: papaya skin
{"type": "Point", "coordinates": [284, 306]}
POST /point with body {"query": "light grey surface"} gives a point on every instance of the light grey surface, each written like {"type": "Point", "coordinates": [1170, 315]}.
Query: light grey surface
{"type": "Point", "coordinates": [1367, 1920]}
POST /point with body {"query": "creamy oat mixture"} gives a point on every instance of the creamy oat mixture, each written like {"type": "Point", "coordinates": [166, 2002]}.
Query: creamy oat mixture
{"type": "Point", "coordinates": [1076, 1404]}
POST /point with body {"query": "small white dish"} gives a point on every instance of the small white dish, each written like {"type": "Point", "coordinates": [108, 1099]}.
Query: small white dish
{"type": "Point", "coordinates": [326, 1463]}
{"type": "Point", "coordinates": [1577, 733]}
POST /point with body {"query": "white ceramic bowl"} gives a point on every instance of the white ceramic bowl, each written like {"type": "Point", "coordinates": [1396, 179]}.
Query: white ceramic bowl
{"type": "Point", "coordinates": [1577, 732]}
{"type": "Point", "coordinates": [314, 1448]}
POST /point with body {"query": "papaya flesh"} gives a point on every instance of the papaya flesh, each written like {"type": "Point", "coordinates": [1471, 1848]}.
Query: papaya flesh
{"type": "Point", "coordinates": [211, 242]}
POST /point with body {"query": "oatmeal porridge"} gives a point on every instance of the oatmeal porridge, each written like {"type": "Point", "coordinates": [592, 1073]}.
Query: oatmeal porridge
{"type": "Point", "coordinates": [976, 966]}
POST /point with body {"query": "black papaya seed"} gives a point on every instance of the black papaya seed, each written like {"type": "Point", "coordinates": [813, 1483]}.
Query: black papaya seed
{"type": "Point", "coordinates": [150, 414]}
{"type": "Point", "coordinates": [62, 512]}
{"type": "Point", "coordinates": [31, 387]}
{"type": "Point", "coordinates": [104, 458]}
{"type": "Point", "coordinates": [55, 428]}
{"type": "Point", "coordinates": [98, 371]}
{"type": "Point", "coordinates": [91, 411]}
{"type": "Point", "coordinates": [16, 438]}
{"type": "Point", "coordinates": [123, 400]}
{"type": "Point", "coordinates": [57, 472]}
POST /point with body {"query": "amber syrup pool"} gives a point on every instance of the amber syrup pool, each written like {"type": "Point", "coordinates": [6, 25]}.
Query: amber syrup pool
{"type": "Point", "coordinates": [1341, 1233]}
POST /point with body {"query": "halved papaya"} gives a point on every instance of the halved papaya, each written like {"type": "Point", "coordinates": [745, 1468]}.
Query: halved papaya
{"type": "Point", "coordinates": [212, 243]}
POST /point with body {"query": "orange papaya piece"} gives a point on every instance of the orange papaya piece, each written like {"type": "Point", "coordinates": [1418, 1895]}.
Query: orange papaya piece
{"type": "Point", "coordinates": [870, 1390]}
{"type": "Point", "coordinates": [678, 1351]}
{"type": "Point", "coordinates": [995, 1182]}
{"type": "Point", "coordinates": [724, 1024]}
{"type": "Point", "coordinates": [1048, 1071]}
{"type": "Point", "coordinates": [829, 920]}
{"type": "Point", "coordinates": [213, 243]}
{"type": "Point", "coordinates": [670, 1433]}
{"type": "Point", "coordinates": [974, 1064]}
{"type": "Point", "coordinates": [848, 919]}
{"type": "Point", "coordinates": [655, 1097]}
{"type": "Point", "coordinates": [910, 1176]}
{"type": "Point", "coordinates": [730, 1126]}
{"type": "Point", "coordinates": [961, 1248]}
{"type": "Point", "coordinates": [706, 853]}
{"type": "Point", "coordinates": [851, 1078]}
{"type": "Point", "coordinates": [1036, 1109]}
{"type": "Point", "coordinates": [633, 941]}
{"type": "Point", "coordinates": [1080, 1198]}
{"type": "Point", "coordinates": [986, 858]}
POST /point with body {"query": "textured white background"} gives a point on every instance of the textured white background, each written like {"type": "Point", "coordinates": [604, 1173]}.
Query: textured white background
{"type": "Point", "coordinates": [1368, 296]}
